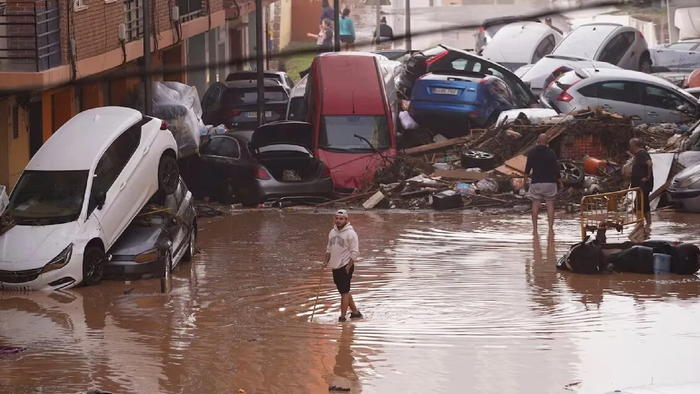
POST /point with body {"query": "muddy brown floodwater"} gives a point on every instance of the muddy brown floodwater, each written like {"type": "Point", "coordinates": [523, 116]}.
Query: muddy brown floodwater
{"type": "Point", "coordinates": [453, 303]}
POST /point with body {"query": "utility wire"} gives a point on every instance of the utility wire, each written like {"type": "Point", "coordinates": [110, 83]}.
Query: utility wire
{"type": "Point", "coordinates": [121, 74]}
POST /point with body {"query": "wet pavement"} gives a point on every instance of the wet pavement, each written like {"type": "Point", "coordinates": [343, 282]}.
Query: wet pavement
{"type": "Point", "coordinates": [452, 303]}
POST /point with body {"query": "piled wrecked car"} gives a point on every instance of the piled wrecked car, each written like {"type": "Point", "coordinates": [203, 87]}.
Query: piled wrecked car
{"type": "Point", "coordinates": [73, 202]}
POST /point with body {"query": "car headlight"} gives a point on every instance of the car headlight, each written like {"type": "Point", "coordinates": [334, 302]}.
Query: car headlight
{"type": "Point", "coordinates": [690, 181]}
{"type": "Point", "coordinates": [147, 256]}
{"type": "Point", "coordinates": [59, 261]}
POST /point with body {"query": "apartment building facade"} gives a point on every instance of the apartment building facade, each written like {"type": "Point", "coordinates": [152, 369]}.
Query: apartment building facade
{"type": "Point", "coordinates": [66, 56]}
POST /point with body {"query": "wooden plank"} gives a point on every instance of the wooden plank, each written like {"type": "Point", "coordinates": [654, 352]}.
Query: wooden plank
{"type": "Point", "coordinates": [517, 163]}
{"type": "Point", "coordinates": [436, 146]}
{"type": "Point", "coordinates": [505, 170]}
{"type": "Point", "coordinates": [373, 201]}
{"type": "Point", "coordinates": [462, 175]}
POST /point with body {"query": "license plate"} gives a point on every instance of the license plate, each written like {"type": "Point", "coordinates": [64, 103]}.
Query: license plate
{"type": "Point", "coordinates": [8, 287]}
{"type": "Point", "coordinates": [268, 114]}
{"type": "Point", "coordinates": [451, 92]}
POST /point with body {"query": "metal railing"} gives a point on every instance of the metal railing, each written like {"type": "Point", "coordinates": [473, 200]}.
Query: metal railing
{"type": "Point", "coordinates": [611, 210]}
{"type": "Point", "coordinates": [30, 35]}
{"type": "Point", "coordinates": [190, 9]}
{"type": "Point", "coordinates": [133, 19]}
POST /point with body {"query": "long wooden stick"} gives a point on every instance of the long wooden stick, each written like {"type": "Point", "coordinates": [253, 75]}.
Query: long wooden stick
{"type": "Point", "coordinates": [318, 292]}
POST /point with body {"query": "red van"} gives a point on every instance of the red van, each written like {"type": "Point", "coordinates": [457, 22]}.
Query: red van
{"type": "Point", "coordinates": [351, 101]}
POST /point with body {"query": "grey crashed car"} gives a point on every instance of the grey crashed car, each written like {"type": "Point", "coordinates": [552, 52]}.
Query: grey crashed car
{"type": "Point", "coordinates": [646, 98]}
{"type": "Point", "coordinates": [158, 239]}
{"type": "Point", "coordinates": [685, 189]}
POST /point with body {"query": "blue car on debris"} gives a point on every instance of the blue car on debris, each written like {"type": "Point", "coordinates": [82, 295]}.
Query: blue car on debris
{"type": "Point", "coordinates": [454, 102]}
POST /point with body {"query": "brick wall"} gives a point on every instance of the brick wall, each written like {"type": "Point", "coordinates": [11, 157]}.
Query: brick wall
{"type": "Point", "coordinates": [96, 27]}
{"type": "Point", "coordinates": [17, 12]}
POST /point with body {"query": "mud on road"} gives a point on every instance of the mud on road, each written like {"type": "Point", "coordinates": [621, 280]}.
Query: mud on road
{"type": "Point", "coordinates": [450, 301]}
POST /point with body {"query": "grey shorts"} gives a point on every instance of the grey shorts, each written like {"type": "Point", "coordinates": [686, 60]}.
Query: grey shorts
{"type": "Point", "coordinates": [543, 191]}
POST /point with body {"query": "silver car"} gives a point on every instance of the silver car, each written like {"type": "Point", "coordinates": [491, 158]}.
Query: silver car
{"type": "Point", "coordinates": [296, 107]}
{"type": "Point", "coordinates": [644, 97]}
{"type": "Point", "coordinates": [594, 43]}
{"type": "Point", "coordinates": [681, 56]}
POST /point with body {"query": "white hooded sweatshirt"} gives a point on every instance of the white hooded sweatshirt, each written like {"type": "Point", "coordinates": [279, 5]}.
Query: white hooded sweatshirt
{"type": "Point", "coordinates": [343, 246]}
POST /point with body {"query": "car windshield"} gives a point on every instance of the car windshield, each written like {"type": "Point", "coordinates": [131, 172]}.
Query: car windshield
{"type": "Point", "coordinates": [48, 197]}
{"type": "Point", "coordinates": [340, 132]}
{"type": "Point", "coordinates": [584, 41]}
{"type": "Point", "coordinates": [237, 96]}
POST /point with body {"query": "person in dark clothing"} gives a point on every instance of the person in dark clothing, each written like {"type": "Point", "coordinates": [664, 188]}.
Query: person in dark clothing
{"type": "Point", "coordinates": [642, 176]}
{"type": "Point", "coordinates": [326, 12]}
{"type": "Point", "coordinates": [542, 163]}
{"type": "Point", "coordinates": [386, 35]}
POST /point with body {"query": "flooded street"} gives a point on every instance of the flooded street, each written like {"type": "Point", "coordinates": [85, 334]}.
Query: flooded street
{"type": "Point", "coordinates": [451, 301]}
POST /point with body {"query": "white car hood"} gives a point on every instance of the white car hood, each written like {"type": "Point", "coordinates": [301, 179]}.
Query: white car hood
{"type": "Point", "coordinates": [34, 243]}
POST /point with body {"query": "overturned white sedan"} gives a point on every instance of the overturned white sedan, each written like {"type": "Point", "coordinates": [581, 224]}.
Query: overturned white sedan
{"type": "Point", "coordinates": [79, 193]}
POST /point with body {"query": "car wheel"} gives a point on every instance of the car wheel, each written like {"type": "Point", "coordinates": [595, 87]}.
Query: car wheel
{"type": "Point", "coordinates": [571, 174]}
{"type": "Point", "coordinates": [93, 265]}
{"type": "Point", "coordinates": [477, 159]}
{"type": "Point", "coordinates": [645, 64]}
{"type": "Point", "coordinates": [227, 192]}
{"type": "Point", "coordinates": [168, 175]}
{"type": "Point", "coordinates": [191, 247]}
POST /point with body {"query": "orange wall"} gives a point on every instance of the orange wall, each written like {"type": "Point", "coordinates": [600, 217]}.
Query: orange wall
{"type": "Point", "coordinates": [305, 16]}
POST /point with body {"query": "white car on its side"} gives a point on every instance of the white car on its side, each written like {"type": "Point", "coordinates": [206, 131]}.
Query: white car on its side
{"type": "Point", "coordinates": [521, 43]}
{"type": "Point", "coordinates": [79, 193]}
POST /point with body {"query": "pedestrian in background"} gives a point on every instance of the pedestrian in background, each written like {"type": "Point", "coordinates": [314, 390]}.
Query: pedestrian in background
{"type": "Point", "coordinates": [326, 12]}
{"type": "Point", "coordinates": [341, 253]}
{"type": "Point", "coordinates": [542, 163]}
{"type": "Point", "coordinates": [642, 177]}
{"type": "Point", "coordinates": [384, 36]}
{"type": "Point", "coordinates": [324, 38]}
{"type": "Point", "coordinates": [347, 31]}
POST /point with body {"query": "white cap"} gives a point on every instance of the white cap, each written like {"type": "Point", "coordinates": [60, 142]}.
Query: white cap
{"type": "Point", "coordinates": [342, 212]}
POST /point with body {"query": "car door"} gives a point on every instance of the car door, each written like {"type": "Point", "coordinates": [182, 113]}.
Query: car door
{"type": "Point", "coordinates": [662, 105]}
{"type": "Point", "coordinates": [618, 50]}
{"type": "Point", "coordinates": [186, 214]}
{"type": "Point", "coordinates": [110, 180]}
{"type": "Point", "coordinates": [688, 58]}
{"type": "Point", "coordinates": [621, 97]}
{"type": "Point", "coordinates": [176, 227]}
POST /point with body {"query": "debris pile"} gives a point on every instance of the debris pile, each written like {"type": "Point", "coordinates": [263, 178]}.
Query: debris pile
{"type": "Point", "coordinates": [464, 172]}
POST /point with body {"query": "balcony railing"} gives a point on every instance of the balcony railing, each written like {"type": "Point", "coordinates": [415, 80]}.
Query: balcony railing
{"type": "Point", "coordinates": [133, 18]}
{"type": "Point", "coordinates": [190, 9]}
{"type": "Point", "coordinates": [30, 35]}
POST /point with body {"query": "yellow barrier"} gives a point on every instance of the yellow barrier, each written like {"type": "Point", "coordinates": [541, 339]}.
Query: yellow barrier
{"type": "Point", "coordinates": [611, 210]}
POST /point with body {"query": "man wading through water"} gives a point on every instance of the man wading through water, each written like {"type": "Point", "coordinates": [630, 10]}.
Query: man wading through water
{"type": "Point", "coordinates": [341, 253]}
{"type": "Point", "coordinates": [642, 177]}
{"type": "Point", "coordinates": [542, 162]}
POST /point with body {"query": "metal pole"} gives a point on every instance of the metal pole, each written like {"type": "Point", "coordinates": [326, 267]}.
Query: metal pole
{"type": "Point", "coordinates": [408, 25]}
{"type": "Point", "coordinates": [336, 25]}
{"type": "Point", "coordinates": [259, 55]}
{"type": "Point", "coordinates": [379, 18]}
{"type": "Point", "coordinates": [147, 83]}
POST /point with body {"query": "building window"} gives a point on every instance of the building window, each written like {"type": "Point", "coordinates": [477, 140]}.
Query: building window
{"type": "Point", "coordinates": [78, 4]}
{"type": "Point", "coordinates": [190, 9]}
{"type": "Point", "coordinates": [133, 18]}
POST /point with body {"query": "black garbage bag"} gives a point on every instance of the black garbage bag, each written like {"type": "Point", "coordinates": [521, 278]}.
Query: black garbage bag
{"type": "Point", "coordinates": [584, 258]}
{"type": "Point", "coordinates": [685, 259]}
{"type": "Point", "coordinates": [638, 259]}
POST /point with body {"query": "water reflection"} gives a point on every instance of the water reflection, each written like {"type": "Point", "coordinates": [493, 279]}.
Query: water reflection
{"type": "Point", "coordinates": [448, 298]}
